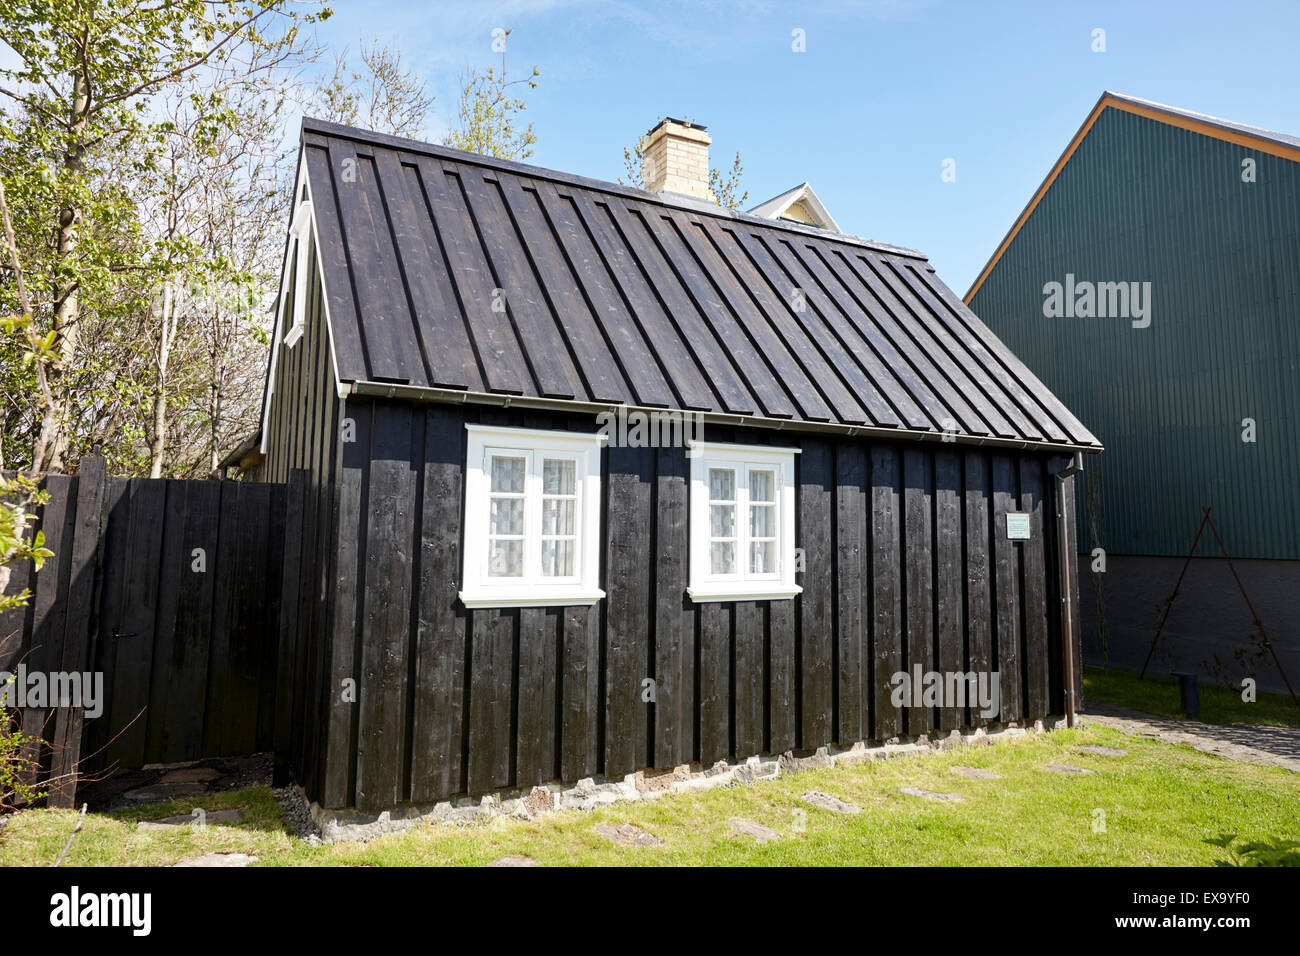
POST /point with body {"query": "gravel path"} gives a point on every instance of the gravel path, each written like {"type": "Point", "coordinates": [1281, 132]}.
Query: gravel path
{"type": "Point", "coordinates": [1274, 746]}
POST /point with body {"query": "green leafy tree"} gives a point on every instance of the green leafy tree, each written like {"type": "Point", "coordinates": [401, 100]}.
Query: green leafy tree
{"type": "Point", "coordinates": [79, 133]}
{"type": "Point", "coordinates": [27, 352]}
{"type": "Point", "coordinates": [19, 497]}
{"type": "Point", "coordinates": [487, 114]}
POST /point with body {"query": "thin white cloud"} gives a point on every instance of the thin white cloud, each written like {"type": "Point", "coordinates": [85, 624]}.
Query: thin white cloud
{"type": "Point", "coordinates": [444, 37]}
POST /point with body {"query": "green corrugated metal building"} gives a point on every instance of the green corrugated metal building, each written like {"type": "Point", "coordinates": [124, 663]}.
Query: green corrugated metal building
{"type": "Point", "coordinates": [1208, 213]}
{"type": "Point", "coordinates": [1197, 220]}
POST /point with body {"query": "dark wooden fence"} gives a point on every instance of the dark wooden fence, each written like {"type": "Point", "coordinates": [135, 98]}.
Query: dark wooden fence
{"type": "Point", "coordinates": [175, 592]}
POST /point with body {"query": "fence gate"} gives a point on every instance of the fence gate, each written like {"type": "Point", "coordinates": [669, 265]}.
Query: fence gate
{"type": "Point", "coordinates": [170, 593]}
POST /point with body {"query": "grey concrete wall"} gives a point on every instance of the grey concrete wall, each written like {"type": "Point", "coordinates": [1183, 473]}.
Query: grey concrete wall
{"type": "Point", "coordinates": [1209, 618]}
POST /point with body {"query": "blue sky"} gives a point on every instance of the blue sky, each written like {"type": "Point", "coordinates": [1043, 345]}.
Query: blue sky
{"type": "Point", "coordinates": [885, 92]}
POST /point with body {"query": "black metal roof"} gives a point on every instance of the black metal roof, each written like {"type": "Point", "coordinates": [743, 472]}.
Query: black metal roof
{"type": "Point", "coordinates": [450, 270]}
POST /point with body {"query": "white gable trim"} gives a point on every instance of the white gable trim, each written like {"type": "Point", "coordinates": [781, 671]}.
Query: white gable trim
{"type": "Point", "coordinates": [302, 189]}
{"type": "Point", "coordinates": [803, 194]}
{"type": "Point", "coordinates": [303, 241]}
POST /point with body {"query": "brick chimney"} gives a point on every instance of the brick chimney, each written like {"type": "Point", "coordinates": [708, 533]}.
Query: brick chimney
{"type": "Point", "coordinates": [676, 160]}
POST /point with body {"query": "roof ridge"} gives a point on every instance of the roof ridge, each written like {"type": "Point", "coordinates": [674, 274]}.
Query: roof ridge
{"type": "Point", "coordinates": [1259, 132]}
{"type": "Point", "coordinates": [343, 131]}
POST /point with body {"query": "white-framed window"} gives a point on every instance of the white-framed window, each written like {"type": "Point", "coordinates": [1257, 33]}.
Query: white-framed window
{"type": "Point", "coordinates": [532, 518]}
{"type": "Point", "coordinates": [300, 233]}
{"type": "Point", "coordinates": [742, 522]}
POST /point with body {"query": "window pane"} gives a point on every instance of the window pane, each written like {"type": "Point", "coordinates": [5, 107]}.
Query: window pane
{"type": "Point", "coordinates": [722, 521]}
{"type": "Point", "coordinates": [558, 515]}
{"type": "Point", "coordinates": [507, 516]}
{"type": "Point", "coordinates": [762, 557]}
{"type": "Point", "coordinates": [506, 559]}
{"type": "Point", "coordinates": [722, 557]}
{"type": "Point", "coordinates": [761, 486]}
{"type": "Point", "coordinates": [762, 521]}
{"type": "Point", "coordinates": [557, 559]}
{"type": "Point", "coordinates": [722, 484]}
{"type": "Point", "coordinates": [508, 474]}
{"type": "Point", "coordinates": [558, 476]}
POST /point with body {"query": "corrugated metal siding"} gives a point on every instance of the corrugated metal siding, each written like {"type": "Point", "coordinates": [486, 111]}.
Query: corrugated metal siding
{"type": "Point", "coordinates": [1145, 201]}
{"type": "Point", "coordinates": [445, 269]}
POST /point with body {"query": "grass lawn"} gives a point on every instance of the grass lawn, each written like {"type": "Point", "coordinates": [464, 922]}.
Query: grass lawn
{"type": "Point", "coordinates": [1158, 694]}
{"type": "Point", "coordinates": [1161, 802]}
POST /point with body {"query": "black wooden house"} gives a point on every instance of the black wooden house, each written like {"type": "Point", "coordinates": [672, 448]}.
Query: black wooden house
{"type": "Point", "coordinates": [503, 596]}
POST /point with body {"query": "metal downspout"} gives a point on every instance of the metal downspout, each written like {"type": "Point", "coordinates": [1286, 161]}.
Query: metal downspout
{"type": "Point", "coordinates": [1066, 552]}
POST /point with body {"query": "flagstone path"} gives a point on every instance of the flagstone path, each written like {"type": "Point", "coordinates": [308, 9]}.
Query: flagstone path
{"type": "Point", "coordinates": [1246, 743]}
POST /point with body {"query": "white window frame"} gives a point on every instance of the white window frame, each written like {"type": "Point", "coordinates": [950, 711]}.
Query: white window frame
{"type": "Point", "coordinates": [301, 231]}
{"type": "Point", "coordinates": [532, 589]}
{"type": "Point", "coordinates": [742, 585]}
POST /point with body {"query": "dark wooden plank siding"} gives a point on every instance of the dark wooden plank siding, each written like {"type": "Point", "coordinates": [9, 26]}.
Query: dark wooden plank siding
{"type": "Point", "coordinates": [1035, 584]}
{"type": "Point", "coordinates": [171, 565]}
{"type": "Point", "coordinates": [1007, 590]}
{"type": "Point", "coordinates": [135, 642]}
{"type": "Point", "coordinates": [674, 623]}
{"type": "Point", "coordinates": [295, 577]}
{"type": "Point", "coordinates": [783, 677]}
{"type": "Point", "coordinates": [387, 609]}
{"type": "Point", "coordinates": [749, 677]}
{"type": "Point", "coordinates": [492, 677]}
{"type": "Point", "coordinates": [440, 649]}
{"type": "Point", "coordinates": [216, 717]}
{"type": "Point", "coordinates": [949, 576]}
{"type": "Point", "coordinates": [715, 681]}
{"type": "Point", "coordinates": [852, 500]}
{"type": "Point", "coordinates": [918, 575]}
{"type": "Point", "coordinates": [303, 415]}
{"type": "Point", "coordinates": [887, 635]}
{"type": "Point", "coordinates": [117, 506]}
{"type": "Point", "coordinates": [249, 612]}
{"type": "Point", "coordinates": [69, 723]}
{"type": "Point", "coordinates": [816, 524]}
{"type": "Point", "coordinates": [580, 693]}
{"type": "Point", "coordinates": [628, 658]}
{"type": "Point", "coordinates": [978, 577]}
{"type": "Point", "coordinates": [341, 688]}
{"type": "Point", "coordinates": [536, 733]}
{"type": "Point", "coordinates": [43, 648]}
{"type": "Point", "coordinates": [904, 556]}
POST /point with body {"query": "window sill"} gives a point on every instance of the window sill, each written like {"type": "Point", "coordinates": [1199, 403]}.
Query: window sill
{"type": "Point", "coordinates": [715, 592]}
{"type": "Point", "coordinates": [531, 597]}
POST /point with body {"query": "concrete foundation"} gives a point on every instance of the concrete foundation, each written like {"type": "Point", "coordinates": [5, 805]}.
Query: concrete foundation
{"type": "Point", "coordinates": [1209, 630]}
